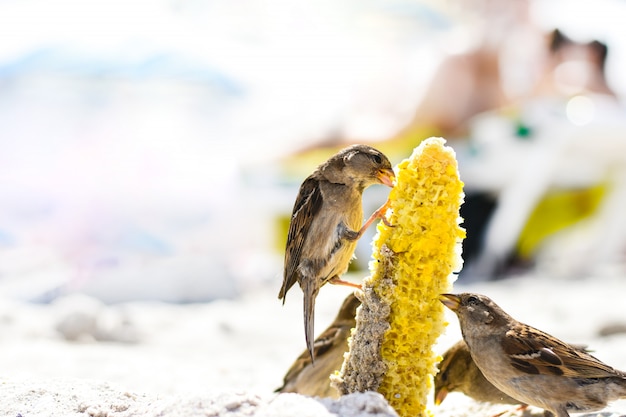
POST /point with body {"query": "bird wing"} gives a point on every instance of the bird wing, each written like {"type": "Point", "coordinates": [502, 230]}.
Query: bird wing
{"type": "Point", "coordinates": [307, 206]}
{"type": "Point", "coordinates": [332, 336]}
{"type": "Point", "coordinates": [535, 352]}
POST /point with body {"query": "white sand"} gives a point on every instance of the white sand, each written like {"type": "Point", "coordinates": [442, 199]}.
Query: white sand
{"type": "Point", "coordinates": [225, 358]}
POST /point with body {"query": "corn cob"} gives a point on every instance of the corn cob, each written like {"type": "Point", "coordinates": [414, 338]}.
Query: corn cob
{"type": "Point", "coordinates": [413, 262]}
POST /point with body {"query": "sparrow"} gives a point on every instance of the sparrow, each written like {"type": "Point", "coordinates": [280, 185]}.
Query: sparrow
{"type": "Point", "coordinates": [329, 347]}
{"type": "Point", "coordinates": [530, 365]}
{"type": "Point", "coordinates": [458, 372]}
{"type": "Point", "coordinates": [326, 223]}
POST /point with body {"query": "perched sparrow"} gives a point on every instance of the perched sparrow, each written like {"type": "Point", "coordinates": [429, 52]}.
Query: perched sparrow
{"type": "Point", "coordinates": [530, 365]}
{"type": "Point", "coordinates": [326, 223]}
{"type": "Point", "coordinates": [458, 372]}
{"type": "Point", "coordinates": [329, 347]}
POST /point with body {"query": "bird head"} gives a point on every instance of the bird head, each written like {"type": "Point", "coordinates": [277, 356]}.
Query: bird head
{"type": "Point", "coordinates": [452, 371]}
{"type": "Point", "coordinates": [362, 166]}
{"type": "Point", "coordinates": [474, 309]}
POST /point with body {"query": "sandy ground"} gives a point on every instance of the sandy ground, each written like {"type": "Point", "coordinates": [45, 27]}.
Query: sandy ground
{"type": "Point", "coordinates": [79, 357]}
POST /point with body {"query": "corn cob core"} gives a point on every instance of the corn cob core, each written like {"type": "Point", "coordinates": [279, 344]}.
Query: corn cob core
{"type": "Point", "coordinates": [401, 317]}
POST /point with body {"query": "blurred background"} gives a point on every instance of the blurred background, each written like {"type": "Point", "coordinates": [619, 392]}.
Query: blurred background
{"type": "Point", "coordinates": [152, 150]}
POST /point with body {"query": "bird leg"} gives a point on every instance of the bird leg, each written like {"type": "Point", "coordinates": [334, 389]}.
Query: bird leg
{"type": "Point", "coordinates": [378, 214]}
{"type": "Point", "coordinates": [337, 281]}
{"type": "Point", "coordinates": [520, 408]}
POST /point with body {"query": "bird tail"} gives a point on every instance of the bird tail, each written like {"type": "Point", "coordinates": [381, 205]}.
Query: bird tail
{"type": "Point", "coordinates": [310, 291]}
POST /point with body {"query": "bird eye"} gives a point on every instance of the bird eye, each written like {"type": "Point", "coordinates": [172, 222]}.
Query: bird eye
{"type": "Point", "coordinates": [444, 377]}
{"type": "Point", "coordinates": [473, 300]}
{"type": "Point", "coordinates": [377, 159]}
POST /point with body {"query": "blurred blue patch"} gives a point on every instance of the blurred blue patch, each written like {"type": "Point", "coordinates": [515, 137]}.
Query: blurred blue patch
{"type": "Point", "coordinates": [159, 65]}
{"type": "Point", "coordinates": [421, 14]}
{"type": "Point", "coordinates": [6, 239]}
{"type": "Point", "coordinates": [138, 240]}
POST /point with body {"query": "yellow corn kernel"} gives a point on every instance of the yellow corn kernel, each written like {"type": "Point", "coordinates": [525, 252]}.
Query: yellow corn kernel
{"type": "Point", "coordinates": [413, 262]}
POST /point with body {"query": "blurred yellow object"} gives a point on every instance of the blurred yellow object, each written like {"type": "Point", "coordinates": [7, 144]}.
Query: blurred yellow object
{"type": "Point", "coordinates": [413, 262]}
{"type": "Point", "coordinates": [556, 211]}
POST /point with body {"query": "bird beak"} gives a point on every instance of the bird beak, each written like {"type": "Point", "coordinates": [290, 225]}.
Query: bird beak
{"type": "Point", "coordinates": [386, 176]}
{"type": "Point", "coordinates": [451, 301]}
{"type": "Point", "coordinates": [440, 395]}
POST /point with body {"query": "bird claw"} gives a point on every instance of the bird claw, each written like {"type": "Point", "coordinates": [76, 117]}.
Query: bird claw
{"type": "Point", "coordinates": [380, 213]}
{"type": "Point", "coordinates": [384, 220]}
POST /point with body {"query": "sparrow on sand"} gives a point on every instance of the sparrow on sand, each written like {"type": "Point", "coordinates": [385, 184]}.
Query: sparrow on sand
{"type": "Point", "coordinates": [530, 365]}
{"type": "Point", "coordinates": [329, 347]}
{"type": "Point", "coordinates": [326, 223]}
